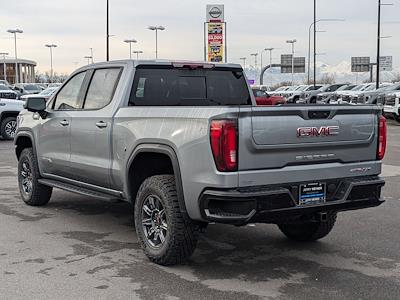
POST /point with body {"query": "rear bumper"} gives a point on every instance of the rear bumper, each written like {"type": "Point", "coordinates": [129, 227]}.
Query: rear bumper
{"type": "Point", "coordinates": [277, 204]}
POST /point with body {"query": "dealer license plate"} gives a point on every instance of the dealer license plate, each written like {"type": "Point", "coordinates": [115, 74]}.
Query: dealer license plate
{"type": "Point", "coordinates": [312, 193]}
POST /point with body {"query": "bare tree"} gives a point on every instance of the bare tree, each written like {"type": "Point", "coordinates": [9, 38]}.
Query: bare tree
{"type": "Point", "coordinates": [327, 79]}
{"type": "Point", "coordinates": [278, 85]}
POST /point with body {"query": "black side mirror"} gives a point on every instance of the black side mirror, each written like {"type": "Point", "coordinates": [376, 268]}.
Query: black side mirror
{"type": "Point", "coordinates": [36, 104]}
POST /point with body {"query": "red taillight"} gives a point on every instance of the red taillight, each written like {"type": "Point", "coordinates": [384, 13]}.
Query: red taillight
{"type": "Point", "coordinates": [382, 131]}
{"type": "Point", "coordinates": [224, 144]}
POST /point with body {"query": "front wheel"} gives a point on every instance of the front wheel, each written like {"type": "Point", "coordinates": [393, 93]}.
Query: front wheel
{"type": "Point", "coordinates": [397, 118]}
{"type": "Point", "coordinates": [167, 236]}
{"type": "Point", "coordinates": [8, 128]}
{"type": "Point", "coordinates": [310, 230]}
{"type": "Point", "coordinates": [32, 192]}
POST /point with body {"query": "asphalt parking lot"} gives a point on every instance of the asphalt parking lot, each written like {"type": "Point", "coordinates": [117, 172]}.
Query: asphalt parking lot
{"type": "Point", "coordinates": [79, 247]}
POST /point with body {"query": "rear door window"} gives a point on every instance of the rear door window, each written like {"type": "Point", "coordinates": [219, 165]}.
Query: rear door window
{"type": "Point", "coordinates": [184, 87]}
{"type": "Point", "coordinates": [101, 88]}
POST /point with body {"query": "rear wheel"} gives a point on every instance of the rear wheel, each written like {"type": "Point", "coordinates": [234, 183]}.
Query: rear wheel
{"type": "Point", "coordinates": [8, 128]}
{"type": "Point", "coordinates": [167, 236]}
{"type": "Point", "coordinates": [310, 230]}
{"type": "Point", "coordinates": [32, 192]}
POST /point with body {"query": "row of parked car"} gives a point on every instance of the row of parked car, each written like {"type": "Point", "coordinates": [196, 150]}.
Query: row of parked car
{"type": "Point", "coordinates": [387, 95]}
{"type": "Point", "coordinates": [21, 90]}
{"type": "Point", "coordinates": [12, 99]}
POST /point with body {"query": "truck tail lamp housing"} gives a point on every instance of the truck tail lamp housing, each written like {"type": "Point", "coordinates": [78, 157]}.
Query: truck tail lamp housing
{"type": "Point", "coordinates": [224, 144]}
{"type": "Point", "coordinates": [382, 137]}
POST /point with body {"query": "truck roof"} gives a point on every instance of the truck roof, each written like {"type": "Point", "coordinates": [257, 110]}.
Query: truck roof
{"type": "Point", "coordinates": [159, 62]}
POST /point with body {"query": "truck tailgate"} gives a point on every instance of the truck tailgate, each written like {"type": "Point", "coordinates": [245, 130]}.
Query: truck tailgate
{"type": "Point", "coordinates": [278, 137]}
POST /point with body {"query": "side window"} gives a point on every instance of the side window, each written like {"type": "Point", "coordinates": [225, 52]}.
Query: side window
{"type": "Point", "coordinates": [101, 88]}
{"type": "Point", "coordinates": [68, 97]}
{"type": "Point", "coordinates": [140, 88]}
{"type": "Point", "coordinates": [187, 87]}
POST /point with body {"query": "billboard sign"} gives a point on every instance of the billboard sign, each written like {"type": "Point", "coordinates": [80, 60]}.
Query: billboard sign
{"type": "Point", "coordinates": [360, 64]}
{"type": "Point", "coordinates": [286, 64]}
{"type": "Point", "coordinates": [386, 63]}
{"type": "Point", "coordinates": [215, 13]}
{"type": "Point", "coordinates": [215, 42]}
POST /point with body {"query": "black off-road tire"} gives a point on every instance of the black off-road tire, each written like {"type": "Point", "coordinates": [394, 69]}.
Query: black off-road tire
{"type": "Point", "coordinates": [309, 231]}
{"type": "Point", "coordinates": [40, 194]}
{"type": "Point", "coordinates": [3, 125]}
{"type": "Point", "coordinates": [181, 238]}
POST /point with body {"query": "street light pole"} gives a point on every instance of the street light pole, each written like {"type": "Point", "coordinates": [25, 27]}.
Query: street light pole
{"type": "Point", "coordinates": [156, 29]}
{"type": "Point", "coordinates": [107, 32]}
{"type": "Point", "coordinates": [293, 52]}
{"type": "Point", "coordinates": [244, 62]}
{"type": "Point", "coordinates": [14, 32]}
{"type": "Point", "coordinates": [255, 65]}
{"type": "Point", "coordinates": [270, 59]}
{"type": "Point", "coordinates": [270, 54]}
{"type": "Point", "coordinates": [262, 51]}
{"type": "Point", "coordinates": [378, 55]}
{"type": "Point", "coordinates": [4, 54]}
{"type": "Point", "coordinates": [309, 42]}
{"type": "Point", "coordinates": [91, 54]}
{"type": "Point", "coordinates": [315, 41]}
{"type": "Point", "coordinates": [130, 41]}
{"type": "Point", "coordinates": [51, 46]}
{"type": "Point", "coordinates": [137, 52]}
{"type": "Point", "coordinates": [88, 59]}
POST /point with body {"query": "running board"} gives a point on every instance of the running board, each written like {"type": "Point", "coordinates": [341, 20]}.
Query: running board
{"type": "Point", "coordinates": [77, 189]}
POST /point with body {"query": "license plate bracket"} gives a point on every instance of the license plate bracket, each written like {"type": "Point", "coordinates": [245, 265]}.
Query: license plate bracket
{"type": "Point", "coordinates": [312, 193]}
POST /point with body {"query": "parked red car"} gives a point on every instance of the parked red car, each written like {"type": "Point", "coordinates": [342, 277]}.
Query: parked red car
{"type": "Point", "coordinates": [263, 98]}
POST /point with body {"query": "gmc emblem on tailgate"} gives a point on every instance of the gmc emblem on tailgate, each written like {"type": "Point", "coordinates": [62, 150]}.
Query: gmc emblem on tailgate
{"type": "Point", "coordinates": [315, 131]}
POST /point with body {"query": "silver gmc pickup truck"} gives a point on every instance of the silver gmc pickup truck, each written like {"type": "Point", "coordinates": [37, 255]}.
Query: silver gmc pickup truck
{"type": "Point", "coordinates": [186, 144]}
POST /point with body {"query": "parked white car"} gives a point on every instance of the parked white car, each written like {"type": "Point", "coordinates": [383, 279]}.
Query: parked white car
{"type": "Point", "coordinates": [47, 93]}
{"type": "Point", "coordinates": [391, 108]}
{"type": "Point", "coordinates": [9, 110]}
{"type": "Point", "coordinates": [346, 96]}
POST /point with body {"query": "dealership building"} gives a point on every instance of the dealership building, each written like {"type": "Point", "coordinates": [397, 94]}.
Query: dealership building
{"type": "Point", "coordinates": [24, 67]}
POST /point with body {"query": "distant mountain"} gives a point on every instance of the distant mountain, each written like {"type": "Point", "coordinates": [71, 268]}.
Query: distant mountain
{"type": "Point", "coordinates": [341, 72]}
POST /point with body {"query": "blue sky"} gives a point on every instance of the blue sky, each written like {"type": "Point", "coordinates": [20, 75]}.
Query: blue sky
{"type": "Point", "coordinates": [75, 26]}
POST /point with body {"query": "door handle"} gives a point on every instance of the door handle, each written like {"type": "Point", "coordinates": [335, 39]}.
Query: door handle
{"type": "Point", "coordinates": [101, 124]}
{"type": "Point", "coordinates": [64, 123]}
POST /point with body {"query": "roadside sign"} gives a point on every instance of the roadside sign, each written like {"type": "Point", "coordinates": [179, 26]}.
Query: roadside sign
{"type": "Point", "coordinates": [215, 42]}
{"type": "Point", "coordinates": [215, 13]}
{"type": "Point", "coordinates": [286, 64]}
{"type": "Point", "coordinates": [215, 34]}
{"type": "Point", "coordinates": [360, 64]}
{"type": "Point", "coordinates": [386, 63]}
